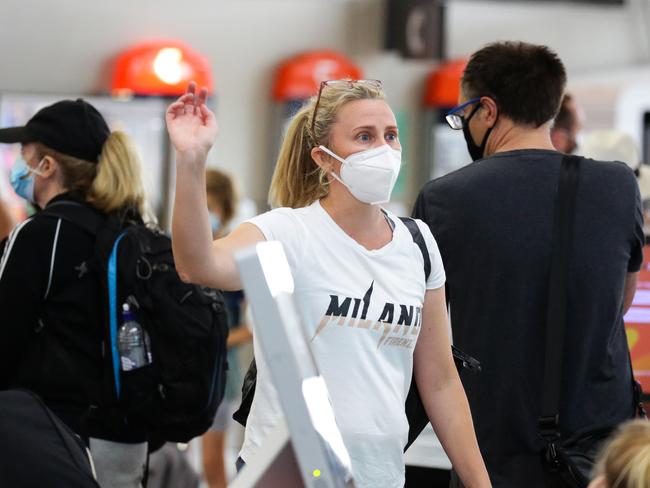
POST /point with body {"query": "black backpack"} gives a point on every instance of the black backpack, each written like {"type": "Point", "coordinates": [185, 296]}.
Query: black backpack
{"type": "Point", "coordinates": [37, 448]}
{"type": "Point", "coordinates": [175, 397]}
{"type": "Point", "coordinates": [414, 408]}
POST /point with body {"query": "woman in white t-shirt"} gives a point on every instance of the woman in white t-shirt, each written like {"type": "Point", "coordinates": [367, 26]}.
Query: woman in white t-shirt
{"type": "Point", "coordinates": [359, 278]}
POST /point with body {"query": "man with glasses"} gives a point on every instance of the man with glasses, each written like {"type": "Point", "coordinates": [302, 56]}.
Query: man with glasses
{"type": "Point", "coordinates": [493, 222]}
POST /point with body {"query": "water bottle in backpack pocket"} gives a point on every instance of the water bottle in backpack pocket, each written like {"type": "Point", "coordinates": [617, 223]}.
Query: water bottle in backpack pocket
{"type": "Point", "coordinates": [133, 342]}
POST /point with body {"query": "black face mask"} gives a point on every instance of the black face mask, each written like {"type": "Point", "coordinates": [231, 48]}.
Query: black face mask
{"type": "Point", "coordinates": [476, 152]}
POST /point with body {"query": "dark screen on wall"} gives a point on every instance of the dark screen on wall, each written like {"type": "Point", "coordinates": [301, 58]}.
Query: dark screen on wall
{"type": "Point", "coordinates": [415, 28]}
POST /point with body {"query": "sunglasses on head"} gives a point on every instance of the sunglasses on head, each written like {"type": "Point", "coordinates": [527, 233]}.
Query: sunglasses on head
{"type": "Point", "coordinates": [349, 83]}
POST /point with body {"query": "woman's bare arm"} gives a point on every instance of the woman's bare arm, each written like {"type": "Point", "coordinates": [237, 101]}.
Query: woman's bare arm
{"type": "Point", "coordinates": [192, 129]}
{"type": "Point", "coordinates": [443, 395]}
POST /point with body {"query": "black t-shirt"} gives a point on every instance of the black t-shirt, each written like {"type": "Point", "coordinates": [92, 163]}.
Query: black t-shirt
{"type": "Point", "coordinates": [493, 224]}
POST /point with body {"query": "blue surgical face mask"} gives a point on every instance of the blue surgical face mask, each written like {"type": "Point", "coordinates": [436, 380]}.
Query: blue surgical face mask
{"type": "Point", "coordinates": [215, 223]}
{"type": "Point", "coordinates": [22, 179]}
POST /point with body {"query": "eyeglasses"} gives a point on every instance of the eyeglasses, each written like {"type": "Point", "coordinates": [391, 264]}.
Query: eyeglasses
{"type": "Point", "coordinates": [350, 84]}
{"type": "Point", "coordinates": [455, 118]}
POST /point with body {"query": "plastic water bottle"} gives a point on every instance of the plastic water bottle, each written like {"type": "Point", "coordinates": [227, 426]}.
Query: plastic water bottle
{"type": "Point", "coordinates": [133, 342]}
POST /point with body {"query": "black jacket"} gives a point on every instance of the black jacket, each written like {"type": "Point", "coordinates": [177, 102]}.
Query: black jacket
{"type": "Point", "coordinates": [52, 308]}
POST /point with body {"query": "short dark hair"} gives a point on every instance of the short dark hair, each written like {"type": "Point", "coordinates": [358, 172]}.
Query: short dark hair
{"type": "Point", "coordinates": [565, 117]}
{"type": "Point", "coordinates": [525, 80]}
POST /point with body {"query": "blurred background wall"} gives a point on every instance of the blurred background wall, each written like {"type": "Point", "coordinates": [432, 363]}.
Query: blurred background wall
{"type": "Point", "coordinates": [67, 46]}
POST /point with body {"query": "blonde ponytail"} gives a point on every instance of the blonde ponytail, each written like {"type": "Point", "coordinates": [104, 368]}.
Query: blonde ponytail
{"type": "Point", "coordinates": [297, 180]}
{"type": "Point", "coordinates": [625, 462]}
{"type": "Point", "coordinates": [118, 183]}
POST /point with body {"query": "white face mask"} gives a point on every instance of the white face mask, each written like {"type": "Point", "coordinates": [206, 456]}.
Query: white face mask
{"type": "Point", "coordinates": [370, 175]}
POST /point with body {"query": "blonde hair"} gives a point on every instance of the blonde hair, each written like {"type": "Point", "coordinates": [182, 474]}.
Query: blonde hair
{"type": "Point", "coordinates": [625, 462]}
{"type": "Point", "coordinates": [114, 183]}
{"type": "Point", "coordinates": [220, 186]}
{"type": "Point", "coordinates": [297, 180]}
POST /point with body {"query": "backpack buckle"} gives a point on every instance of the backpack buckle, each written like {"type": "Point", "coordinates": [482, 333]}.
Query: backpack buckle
{"type": "Point", "coordinates": [143, 272]}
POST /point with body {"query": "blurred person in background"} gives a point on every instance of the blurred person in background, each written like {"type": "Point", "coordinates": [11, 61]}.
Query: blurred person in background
{"type": "Point", "coordinates": [493, 221]}
{"type": "Point", "coordinates": [566, 126]}
{"type": "Point", "coordinates": [625, 461]}
{"type": "Point", "coordinates": [646, 219]}
{"type": "Point", "coordinates": [222, 207]}
{"type": "Point", "coordinates": [616, 145]}
{"type": "Point", "coordinates": [338, 162]}
{"type": "Point", "coordinates": [169, 467]}
{"type": "Point", "coordinates": [6, 220]}
{"type": "Point", "coordinates": [50, 293]}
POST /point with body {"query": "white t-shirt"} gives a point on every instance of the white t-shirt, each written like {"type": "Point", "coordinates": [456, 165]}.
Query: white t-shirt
{"type": "Point", "coordinates": [362, 311]}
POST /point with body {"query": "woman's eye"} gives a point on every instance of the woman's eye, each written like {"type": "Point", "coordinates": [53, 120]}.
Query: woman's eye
{"type": "Point", "coordinates": [391, 136]}
{"type": "Point", "coordinates": [364, 137]}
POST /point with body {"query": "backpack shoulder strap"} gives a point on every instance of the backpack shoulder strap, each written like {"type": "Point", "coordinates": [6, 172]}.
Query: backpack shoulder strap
{"type": "Point", "coordinates": [75, 213]}
{"type": "Point", "coordinates": [418, 238]}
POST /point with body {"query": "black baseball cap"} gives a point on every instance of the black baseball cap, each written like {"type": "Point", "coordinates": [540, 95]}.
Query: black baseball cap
{"type": "Point", "coordinates": [71, 127]}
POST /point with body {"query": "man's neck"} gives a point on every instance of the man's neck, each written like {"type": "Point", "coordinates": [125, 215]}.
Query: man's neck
{"type": "Point", "coordinates": [513, 137]}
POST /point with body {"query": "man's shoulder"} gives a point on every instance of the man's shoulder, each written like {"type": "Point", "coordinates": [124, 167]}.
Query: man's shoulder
{"type": "Point", "coordinates": [439, 182]}
{"type": "Point", "coordinates": [615, 169]}
{"type": "Point", "coordinates": [484, 168]}
{"type": "Point", "coordinates": [478, 167]}
{"type": "Point", "coordinates": [605, 177]}
{"type": "Point", "coordinates": [460, 176]}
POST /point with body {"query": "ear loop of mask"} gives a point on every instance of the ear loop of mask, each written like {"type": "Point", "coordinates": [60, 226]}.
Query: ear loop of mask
{"type": "Point", "coordinates": [331, 153]}
{"type": "Point", "coordinates": [37, 170]}
{"type": "Point", "coordinates": [338, 158]}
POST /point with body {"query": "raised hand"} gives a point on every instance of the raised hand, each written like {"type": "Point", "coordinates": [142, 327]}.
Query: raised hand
{"type": "Point", "coordinates": [191, 125]}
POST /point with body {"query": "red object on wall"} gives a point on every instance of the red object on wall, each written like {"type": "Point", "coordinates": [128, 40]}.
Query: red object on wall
{"type": "Point", "coordinates": [299, 77]}
{"type": "Point", "coordinates": [161, 68]}
{"type": "Point", "coordinates": [443, 84]}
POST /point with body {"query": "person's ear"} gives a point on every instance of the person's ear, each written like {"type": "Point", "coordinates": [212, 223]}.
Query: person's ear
{"type": "Point", "coordinates": [48, 166]}
{"type": "Point", "coordinates": [322, 159]}
{"type": "Point", "coordinates": [490, 111]}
